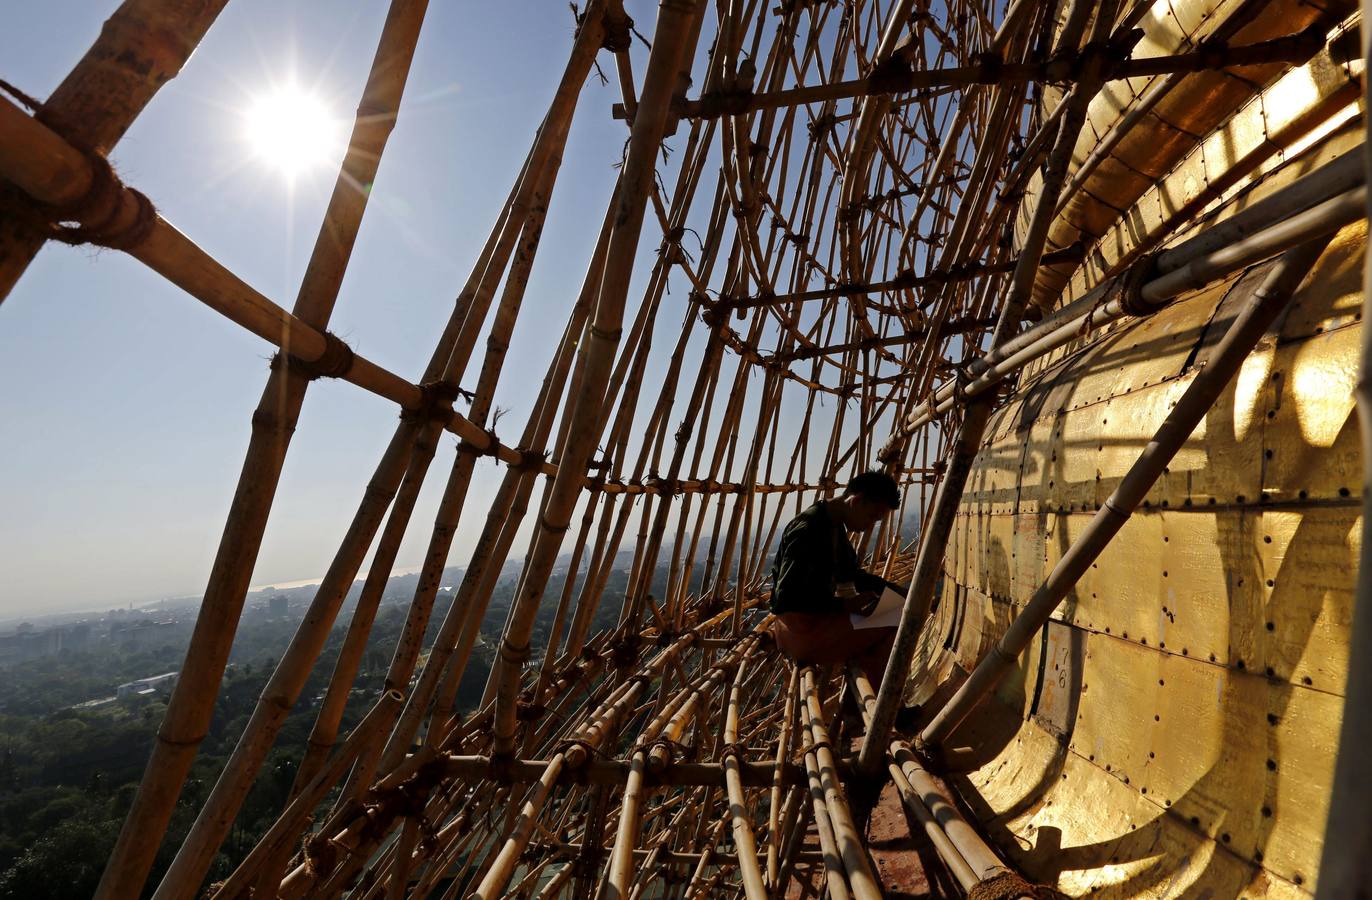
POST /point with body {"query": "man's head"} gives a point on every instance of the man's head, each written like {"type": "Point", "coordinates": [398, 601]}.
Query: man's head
{"type": "Point", "coordinates": [869, 497]}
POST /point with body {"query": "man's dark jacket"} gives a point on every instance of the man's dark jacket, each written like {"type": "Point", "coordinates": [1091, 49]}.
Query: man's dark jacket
{"type": "Point", "coordinates": [814, 557]}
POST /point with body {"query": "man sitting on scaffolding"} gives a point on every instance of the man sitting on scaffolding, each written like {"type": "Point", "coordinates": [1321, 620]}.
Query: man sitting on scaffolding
{"type": "Point", "coordinates": [820, 592]}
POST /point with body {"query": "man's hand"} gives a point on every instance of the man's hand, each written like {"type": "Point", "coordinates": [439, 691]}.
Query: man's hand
{"type": "Point", "coordinates": [862, 603]}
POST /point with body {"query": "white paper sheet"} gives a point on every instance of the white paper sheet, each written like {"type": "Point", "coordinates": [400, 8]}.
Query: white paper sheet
{"type": "Point", "coordinates": [886, 614]}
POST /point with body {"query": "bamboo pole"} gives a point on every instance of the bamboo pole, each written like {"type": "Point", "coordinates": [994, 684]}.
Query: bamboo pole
{"type": "Point", "coordinates": [753, 885]}
{"type": "Point", "coordinates": [674, 21]}
{"type": "Point", "coordinates": [287, 826]}
{"type": "Point", "coordinates": [860, 878]}
{"type": "Point", "coordinates": [188, 712]}
{"type": "Point", "coordinates": [783, 755]}
{"type": "Point", "coordinates": [1295, 48]}
{"type": "Point", "coordinates": [931, 807]}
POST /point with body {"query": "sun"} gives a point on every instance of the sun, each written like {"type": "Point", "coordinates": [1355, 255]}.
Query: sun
{"type": "Point", "coordinates": [292, 129]}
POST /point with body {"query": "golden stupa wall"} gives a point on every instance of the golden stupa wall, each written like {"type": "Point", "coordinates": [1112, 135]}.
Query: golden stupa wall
{"type": "Point", "coordinates": [1204, 138]}
{"type": "Point", "coordinates": [1173, 730]}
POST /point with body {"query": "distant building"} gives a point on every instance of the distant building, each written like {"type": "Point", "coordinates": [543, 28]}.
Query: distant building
{"type": "Point", "coordinates": [26, 642]}
{"type": "Point", "coordinates": [141, 634]}
{"type": "Point", "coordinates": [147, 687]}
{"type": "Point", "coordinates": [276, 606]}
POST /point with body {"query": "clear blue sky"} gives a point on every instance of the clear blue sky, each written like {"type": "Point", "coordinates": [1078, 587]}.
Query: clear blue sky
{"type": "Point", "coordinates": [127, 403]}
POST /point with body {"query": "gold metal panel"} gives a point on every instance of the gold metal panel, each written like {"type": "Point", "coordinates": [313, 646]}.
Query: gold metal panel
{"type": "Point", "coordinates": [1079, 600]}
{"type": "Point", "coordinates": [1306, 93]}
{"type": "Point", "coordinates": [1132, 421]}
{"type": "Point", "coordinates": [1187, 181]}
{"type": "Point", "coordinates": [1332, 294]}
{"type": "Point", "coordinates": [1304, 742]}
{"type": "Point", "coordinates": [1040, 442]}
{"type": "Point", "coordinates": [1026, 553]}
{"type": "Point", "coordinates": [1233, 781]}
{"type": "Point", "coordinates": [1301, 627]}
{"type": "Point", "coordinates": [1115, 725]}
{"type": "Point", "coordinates": [1121, 597]}
{"type": "Point", "coordinates": [1057, 693]}
{"type": "Point", "coordinates": [1093, 834]}
{"type": "Point", "coordinates": [1203, 558]}
{"type": "Point", "coordinates": [1004, 421]}
{"type": "Point", "coordinates": [1074, 461]}
{"type": "Point", "coordinates": [1312, 443]}
{"type": "Point", "coordinates": [999, 539]}
{"type": "Point", "coordinates": [1232, 143]}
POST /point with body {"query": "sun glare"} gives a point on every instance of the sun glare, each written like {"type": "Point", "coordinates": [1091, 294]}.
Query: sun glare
{"type": "Point", "coordinates": [291, 129]}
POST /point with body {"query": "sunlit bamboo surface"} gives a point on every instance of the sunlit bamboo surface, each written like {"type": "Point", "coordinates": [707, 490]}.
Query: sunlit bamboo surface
{"type": "Point", "coordinates": [912, 236]}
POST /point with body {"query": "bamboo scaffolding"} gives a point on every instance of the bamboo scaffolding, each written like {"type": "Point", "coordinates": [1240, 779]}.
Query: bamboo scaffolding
{"type": "Point", "coordinates": [895, 189]}
{"type": "Point", "coordinates": [1291, 49]}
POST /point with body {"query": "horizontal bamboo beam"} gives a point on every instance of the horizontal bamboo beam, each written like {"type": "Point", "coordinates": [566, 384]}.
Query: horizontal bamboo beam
{"type": "Point", "coordinates": [756, 773]}
{"type": "Point", "coordinates": [905, 280]}
{"type": "Point", "coordinates": [945, 329]}
{"type": "Point", "coordinates": [899, 78]}
{"type": "Point", "coordinates": [665, 857]}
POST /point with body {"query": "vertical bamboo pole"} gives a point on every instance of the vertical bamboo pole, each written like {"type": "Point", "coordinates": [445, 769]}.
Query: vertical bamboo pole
{"type": "Point", "coordinates": [674, 22]}
{"type": "Point", "coordinates": [833, 859]}
{"type": "Point", "coordinates": [744, 843]}
{"type": "Point", "coordinates": [188, 712]}
{"type": "Point", "coordinates": [783, 756]}
{"type": "Point", "coordinates": [864, 884]}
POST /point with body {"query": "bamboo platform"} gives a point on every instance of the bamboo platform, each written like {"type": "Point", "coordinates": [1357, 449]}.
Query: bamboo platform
{"type": "Point", "coordinates": [1087, 278]}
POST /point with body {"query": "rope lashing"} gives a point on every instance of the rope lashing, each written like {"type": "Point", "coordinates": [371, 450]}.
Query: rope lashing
{"type": "Point", "coordinates": [618, 33]}
{"type": "Point", "coordinates": [334, 363]}
{"type": "Point", "coordinates": [531, 459]}
{"type": "Point", "coordinates": [1131, 288]}
{"type": "Point", "coordinates": [98, 216]}
{"type": "Point", "coordinates": [492, 447]}
{"type": "Point", "coordinates": [435, 403]}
